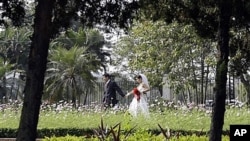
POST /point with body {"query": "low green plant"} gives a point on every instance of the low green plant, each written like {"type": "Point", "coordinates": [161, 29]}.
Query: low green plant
{"type": "Point", "coordinates": [195, 138]}
{"type": "Point", "coordinates": [65, 138]}
{"type": "Point", "coordinates": [139, 136]}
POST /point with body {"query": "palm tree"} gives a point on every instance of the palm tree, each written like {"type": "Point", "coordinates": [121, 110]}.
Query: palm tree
{"type": "Point", "coordinates": [5, 66]}
{"type": "Point", "coordinates": [90, 38]}
{"type": "Point", "coordinates": [14, 51]}
{"type": "Point", "coordinates": [14, 45]}
{"type": "Point", "coordinates": [69, 73]}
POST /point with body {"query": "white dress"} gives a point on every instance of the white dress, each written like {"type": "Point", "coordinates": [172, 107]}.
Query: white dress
{"type": "Point", "coordinates": [139, 107]}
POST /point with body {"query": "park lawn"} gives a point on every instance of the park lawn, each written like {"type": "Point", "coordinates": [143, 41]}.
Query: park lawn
{"type": "Point", "coordinates": [173, 119]}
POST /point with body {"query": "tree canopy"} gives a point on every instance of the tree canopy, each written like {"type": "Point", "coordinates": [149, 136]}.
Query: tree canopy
{"type": "Point", "coordinates": [52, 17]}
{"type": "Point", "coordinates": [212, 19]}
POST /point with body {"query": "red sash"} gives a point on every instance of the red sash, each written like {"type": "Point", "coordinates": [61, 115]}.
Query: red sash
{"type": "Point", "coordinates": [136, 94]}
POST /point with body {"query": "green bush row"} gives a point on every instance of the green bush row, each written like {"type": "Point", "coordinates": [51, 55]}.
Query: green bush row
{"type": "Point", "coordinates": [137, 137]}
{"type": "Point", "coordinates": [58, 132]}
{"type": "Point", "coordinates": [46, 132]}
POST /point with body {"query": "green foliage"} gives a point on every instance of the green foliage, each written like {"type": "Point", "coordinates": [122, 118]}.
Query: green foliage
{"type": "Point", "coordinates": [8, 133]}
{"type": "Point", "coordinates": [195, 138]}
{"type": "Point", "coordinates": [60, 132]}
{"type": "Point", "coordinates": [83, 37]}
{"type": "Point", "coordinates": [69, 73]}
{"type": "Point", "coordinates": [66, 138]}
{"type": "Point", "coordinates": [114, 134]}
{"type": "Point", "coordinates": [203, 15]}
{"type": "Point", "coordinates": [49, 132]}
{"type": "Point", "coordinates": [5, 66]}
{"type": "Point", "coordinates": [89, 134]}
{"type": "Point", "coordinates": [239, 62]}
{"type": "Point", "coordinates": [94, 12]}
{"type": "Point", "coordinates": [13, 10]}
{"type": "Point", "coordinates": [157, 48]}
{"type": "Point", "coordinates": [13, 45]}
{"type": "Point", "coordinates": [133, 138]}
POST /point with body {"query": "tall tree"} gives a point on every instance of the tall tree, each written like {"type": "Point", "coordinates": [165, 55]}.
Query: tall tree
{"type": "Point", "coordinates": [36, 70]}
{"type": "Point", "coordinates": [211, 19]}
{"type": "Point", "coordinates": [240, 45]}
{"type": "Point", "coordinates": [217, 121]}
{"type": "Point", "coordinates": [51, 17]}
{"type": "Point", "coordinates": [14, 40]}
{"type": "Point", "coordinates": [240, 61]}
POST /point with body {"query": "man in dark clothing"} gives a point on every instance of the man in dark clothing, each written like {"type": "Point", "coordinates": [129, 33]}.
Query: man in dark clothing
{"type": "Point", "coordinates": [110, 89]}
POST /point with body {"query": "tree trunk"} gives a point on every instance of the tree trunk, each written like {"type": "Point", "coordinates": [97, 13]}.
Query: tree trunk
{"type": "Point", "coordinates": [5, 95]}
{"type": "Point", "coordinates": [160, 90]}
{"type": "Point", "coordinates": [206, 85]}
{"type": "Point", "coordinates": [74, 93]}
{"type": "Point", "coordinates": [217, 119]}
{"type": "Point", "coordinates": [202, 78]}
{"type": "Point", "coordinates": [36, 70]}
{"type": "Point", "coordinates": [195, 83]}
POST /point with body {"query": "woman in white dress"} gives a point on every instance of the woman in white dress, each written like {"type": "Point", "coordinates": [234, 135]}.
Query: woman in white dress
{"type": "Point", "coordinates": [139, 103]}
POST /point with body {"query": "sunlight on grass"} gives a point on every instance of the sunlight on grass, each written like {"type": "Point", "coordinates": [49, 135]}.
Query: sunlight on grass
{"type": "Point", "coordinates": [194, 119]}
{"type": "Point", "coordinates": [236, 116]}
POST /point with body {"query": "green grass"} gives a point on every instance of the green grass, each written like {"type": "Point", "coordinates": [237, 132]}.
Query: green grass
{"type": "Point", "coordinates": [173, 119]}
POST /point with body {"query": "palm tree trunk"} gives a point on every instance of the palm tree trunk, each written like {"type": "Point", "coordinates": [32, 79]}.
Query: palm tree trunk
{"type": "Point", "coordinates": [27, 130]}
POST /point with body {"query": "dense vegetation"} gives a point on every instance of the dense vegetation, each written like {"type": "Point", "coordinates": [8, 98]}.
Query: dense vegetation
{"type": "Point", "coordinates": [181, 120]}
{"type": "Point", "coordinates": [223, 23]}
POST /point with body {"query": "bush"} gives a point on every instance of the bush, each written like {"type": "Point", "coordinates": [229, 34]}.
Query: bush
{"type": "Point", "coordinates": [139, 136]}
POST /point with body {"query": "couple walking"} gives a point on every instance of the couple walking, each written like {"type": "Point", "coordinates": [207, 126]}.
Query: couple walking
{"type": "Point", "coordinates": [139, 102]}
